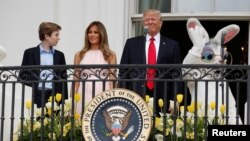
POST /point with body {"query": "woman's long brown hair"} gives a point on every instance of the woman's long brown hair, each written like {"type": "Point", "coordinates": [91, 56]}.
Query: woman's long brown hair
{"type": "Point", "coordinates": [103, 45]}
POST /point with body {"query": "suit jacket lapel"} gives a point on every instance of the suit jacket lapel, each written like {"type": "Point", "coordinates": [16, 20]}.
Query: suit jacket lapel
{"type": "Point", "coordinates": [161, 49]}
{"type": "Point", "coordinates": [143, 49]}
{"type": "Point", "coordinates": [37, 56]}
{"type": "Point", "coordinates": [55, 57]}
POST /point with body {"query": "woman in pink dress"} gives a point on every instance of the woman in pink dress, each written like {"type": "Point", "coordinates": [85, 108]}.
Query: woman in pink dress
{"type": "Point", "coordinates": [96, 51]}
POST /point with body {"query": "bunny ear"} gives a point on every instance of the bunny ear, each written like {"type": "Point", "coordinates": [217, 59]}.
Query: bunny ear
{"type": "Point", "coordinates": [227, 33]}
{"type": "Point", "coordinates": [192, 22]}
{"type": "Point", "coordinates": [195, 29]}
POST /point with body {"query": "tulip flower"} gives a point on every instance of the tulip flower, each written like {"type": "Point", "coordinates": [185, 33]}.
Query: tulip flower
{"type": "Point", "coordinates": [58, 97]}
{"type": "Point", "coordinates": [179, 98]}
{"type": "Point", "coordinates": [160, 103]}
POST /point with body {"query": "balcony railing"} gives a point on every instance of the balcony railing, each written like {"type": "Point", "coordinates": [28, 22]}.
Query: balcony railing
{"type": "Point", "coordinates": [207, 86]}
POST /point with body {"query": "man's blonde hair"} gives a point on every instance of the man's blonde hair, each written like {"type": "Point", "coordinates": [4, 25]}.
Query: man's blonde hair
{"type": "Point", "coordinates": [156, 12]}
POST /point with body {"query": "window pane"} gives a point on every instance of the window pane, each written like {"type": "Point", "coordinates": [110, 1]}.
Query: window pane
{"type": "Point", "coordinates": [162, 5]}
{"type": "Point", "coordinates": [192, 6]}
{"type": "Point", "coordinates": [231, 6]}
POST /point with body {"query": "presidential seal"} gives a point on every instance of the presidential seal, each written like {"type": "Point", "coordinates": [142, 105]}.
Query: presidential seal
{"type": "Point", "coordinates": [116, 115]}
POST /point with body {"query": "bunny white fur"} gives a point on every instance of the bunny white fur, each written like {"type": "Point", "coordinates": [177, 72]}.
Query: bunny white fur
{"type": "Point", "coordinates": [199, 38]}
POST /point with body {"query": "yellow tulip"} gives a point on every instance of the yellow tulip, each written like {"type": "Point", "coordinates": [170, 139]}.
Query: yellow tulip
{"type": "Point", "coordinates": [179, 123]}
{"type": "Point", "coordinates": [77, 97]}
{"type": "Point", "coordinates": [187, 135]}
{"type": "Point", "coordinates": [190, 108]}
{"type": "Point", "coordinates": [77, 116]}
{"type": "Point", "coordinates": [157, 121]}
{"type": "Point", "coordinates": [37, 126]}
{"type": "Point", "coordinates": [65, 131]}
{"type": "Point", "coordinates": [158, 124]}
{"type": "Point", "coordinates": [147, 98]}
{"type": "Point", "coordinates": [50, 99]}
{"type": "Point", "coordinates": [28, 104]}
{"type": "Point", "coordinates": [58, 97]}
{"type": "Point", "coordinates": [222, 109]}
{"type": "Point", "coordinates": [212, 105]}
{"type": "Point", "coordinates": [199, 105]}
{"type": "Point", "coordinates": [170, 122]}
{"type": "Point", "coordinates": [167, 131]}
{"type": "Point", "coordinates": [49, 111]}
{"type": "Point", "coordinates": [67, 126]}
{"type": "Point", "coordinates": [160, 103]}
{"type": "Point", "coordinates": [192, 135]}
{"type": "Point", "coordinates": [179, 98]}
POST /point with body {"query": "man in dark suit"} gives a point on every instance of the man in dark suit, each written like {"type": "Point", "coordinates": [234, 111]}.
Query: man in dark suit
{"type": "Point", "coordinates": [151, 49]}
{"type": "Point", "coordinates": [45, 54]}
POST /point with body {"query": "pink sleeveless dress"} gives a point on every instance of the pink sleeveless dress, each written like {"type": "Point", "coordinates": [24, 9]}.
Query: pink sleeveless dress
{"type": "Point", "coordinates": [92, 57]}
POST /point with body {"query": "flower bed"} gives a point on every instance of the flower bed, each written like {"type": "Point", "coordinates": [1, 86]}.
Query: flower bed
{"type": "Point", "coordinates": [53, 123]}
{"type": "Point", "coordinates": [188, 123]}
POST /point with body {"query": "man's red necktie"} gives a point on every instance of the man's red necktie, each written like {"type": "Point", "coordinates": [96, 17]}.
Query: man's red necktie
{"type": "Point", "coordinates": [151, 61]}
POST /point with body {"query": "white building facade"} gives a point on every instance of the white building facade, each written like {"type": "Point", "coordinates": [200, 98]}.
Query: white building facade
{"type": "Point", "coordinates": [20, 20]}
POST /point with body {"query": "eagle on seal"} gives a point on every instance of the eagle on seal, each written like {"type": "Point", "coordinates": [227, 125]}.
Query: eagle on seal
{"type": "Point", "coordinates": [116, 124]}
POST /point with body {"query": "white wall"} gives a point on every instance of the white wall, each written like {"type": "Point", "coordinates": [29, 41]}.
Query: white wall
{"type": "Point", "coordinates": [20, 19]}
{"type": "Point", "coordinates": [19, 23]}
